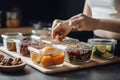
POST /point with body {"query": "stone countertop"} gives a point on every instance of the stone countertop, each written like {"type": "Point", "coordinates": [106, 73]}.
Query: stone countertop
{"type": "Point", "coordinates": [106, 72]}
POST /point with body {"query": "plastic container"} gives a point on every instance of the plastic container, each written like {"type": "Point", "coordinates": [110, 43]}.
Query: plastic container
{"type": "Point", "coordinates": [66, 41]}
{"type": "Point", "coordinates": [48, 56]}
{"type": "Point", "coordinates": [22, 46]}
{"type": "Point", "coordinates": [77, 54]}
{"type": "Point", "coordinates": [103, 48]}
{"type": "Point", "coordinates": [8, 40]}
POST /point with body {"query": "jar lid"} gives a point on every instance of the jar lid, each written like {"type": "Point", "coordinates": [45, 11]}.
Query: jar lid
{"type": "Point", "coordinates": [99, 41]}
{"type": "Point", "coordinates": [9, 35]}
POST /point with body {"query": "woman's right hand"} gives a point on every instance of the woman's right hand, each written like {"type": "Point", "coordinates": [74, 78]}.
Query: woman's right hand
{"type": "Point", "coordinates": [60, 29]}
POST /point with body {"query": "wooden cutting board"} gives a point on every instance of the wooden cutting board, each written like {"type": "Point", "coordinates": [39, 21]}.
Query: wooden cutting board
{"type": "Point", "coordinates": [66, 66]}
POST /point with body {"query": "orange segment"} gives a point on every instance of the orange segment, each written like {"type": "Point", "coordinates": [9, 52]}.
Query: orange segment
{"type": "Point", "coordinates": [48, 48]}
{"type": "Point", "coordinates": [34, 57]}
{"type": "Point", "coordinates": [47, 61]}
{"type": "Point", "coordinates": [1, 56]}
{"type": "Point", "coordinates": [58, 58]}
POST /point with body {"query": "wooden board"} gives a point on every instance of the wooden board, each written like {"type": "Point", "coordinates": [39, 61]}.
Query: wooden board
{"type": "Point", "coordinates": [66, 66]}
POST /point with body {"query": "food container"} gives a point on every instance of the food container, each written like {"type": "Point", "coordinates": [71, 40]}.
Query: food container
{"type": "Point", "coordinates": [8, 40]}
{"type": "Point", "coordinates": [103, 48]}
{"type": "Point", "coordinates": [47, 56]}
{"type": "Point", "coordinates": [66, 41]}
{"type": "Point", "coordinates": [22, 45]}
{"type": "Point", "coordinates": [77, 54]}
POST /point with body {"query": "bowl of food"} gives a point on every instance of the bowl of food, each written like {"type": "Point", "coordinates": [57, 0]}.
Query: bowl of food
{"type": "Point", "coordinates": [11, 64]}
{"type": "Point", "coordinates": [103, 48]}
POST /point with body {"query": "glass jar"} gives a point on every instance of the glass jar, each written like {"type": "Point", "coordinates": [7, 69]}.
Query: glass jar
{"type": "Point", "coordinates": [77, 54]}
{"type": "Point", "coordinates": [8, 40]}
{"type": "Point", "coordinates": [0, 18]}
{"type": "Point", "coordinates": [13, 18]}
{"type": "Point", "coordinates": [22, 45]}
{"type": "Point", "coordinates": [103, 48]}
{"type": "Point", "coordinates": [47, 57]}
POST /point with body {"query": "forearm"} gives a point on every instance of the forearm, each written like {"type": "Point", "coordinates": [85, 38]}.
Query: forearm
{"type": "Point", "coordinates": [87, 9]}
{"type": "Point", "coordinates": [110, 25]}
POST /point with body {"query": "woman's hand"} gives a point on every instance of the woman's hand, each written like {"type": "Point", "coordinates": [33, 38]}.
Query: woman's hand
{"type": "Point", "coordinates": [60, 29]}
{"type": "Point", "coordinates": [82, 22]}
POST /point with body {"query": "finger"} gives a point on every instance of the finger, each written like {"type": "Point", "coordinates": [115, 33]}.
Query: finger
{"type": "Point", "coordinates": [77, 16]}
{"type": "Point", "coordinates": [75, 27]}
{"type": "Point", "coordinates": [55, 22]}
{"type": "Point", "coordinates": [74, 22]}
{"type": "Point", "coordinates": [55, 30]}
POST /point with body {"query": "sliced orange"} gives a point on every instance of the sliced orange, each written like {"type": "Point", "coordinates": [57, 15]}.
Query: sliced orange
{"type": "Point", "coordinates": [47, 61]}
{"type": "Point", "coordinates": [48, 48]}
{"type": "Point", "coordinates": [1, 56]}
{"type": "Point", "coordinates": [58, 58]}
{"type": "Point", "coordinates": [34, 57]}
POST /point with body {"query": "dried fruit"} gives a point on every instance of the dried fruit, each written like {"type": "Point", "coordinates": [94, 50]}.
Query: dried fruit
{"type": "Point", "coordinates": [1, 56]}
{"type": "Point", "coordinates": [58, 58]}
{"type": "Point", "coordinates": [47, 61]}
{"type": "Point", "coordinates": [34, 57]}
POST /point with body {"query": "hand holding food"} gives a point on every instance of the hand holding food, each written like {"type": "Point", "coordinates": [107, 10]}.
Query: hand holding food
{"type": "Point", "coordinates": [60, 29]}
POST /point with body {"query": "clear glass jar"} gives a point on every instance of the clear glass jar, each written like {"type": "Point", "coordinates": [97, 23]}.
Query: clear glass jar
{"type": "Point", "coordinates": [22, 45]}
{"type": "Point", "coordinates": [8, 40]}
{"type": "Point", "coordinates": [0, 18]}
{"type": "Point", "coordinates": [103, 48]}
{"type": "Point", "coordinates": [77, 54]}
{"type": "Point", "coordinates": [13, 18]}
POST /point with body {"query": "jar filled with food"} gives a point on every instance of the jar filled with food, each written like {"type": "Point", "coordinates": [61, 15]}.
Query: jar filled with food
{"type": "Point", "coordinates": [13, 18]}
{"type": "Point", "coordinates": [8, 40]}
{"type": "Point", "coordinates": [0, 18]}
{"type": "Point", "coordinates": [48, 56]}
{"type": "Point", "coordinates": [77, 54]}
{"type": "Point", "coordinates": [22, 45]}
{"type": "Point", "coordinates": [103, 48]}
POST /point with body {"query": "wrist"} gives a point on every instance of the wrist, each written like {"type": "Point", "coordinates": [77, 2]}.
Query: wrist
{"type": "Point", "coordinates": [98, 24]}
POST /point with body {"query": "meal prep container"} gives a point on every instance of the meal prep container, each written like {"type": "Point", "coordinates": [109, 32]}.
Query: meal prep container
{"type": "Point", "coordinates": [43, 33]}
{"type": "Point", "coordinates": [8, 40]}
{"type": "Point", "coordinates": [47, 56]}
{"type": "Point", "coordinates": [22, 45]}
{"type": "Point", "coordinates": [77, 54]}
{"type": "Point", "coordinates": [103, 48]}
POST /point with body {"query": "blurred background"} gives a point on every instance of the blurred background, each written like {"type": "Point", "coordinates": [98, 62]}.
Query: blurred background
{"type": "Point", "coordinates": [46, 11]}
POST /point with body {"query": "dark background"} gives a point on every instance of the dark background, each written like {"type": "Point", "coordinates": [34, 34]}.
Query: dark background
{"type": "Point", "coordinates": [45, 11]}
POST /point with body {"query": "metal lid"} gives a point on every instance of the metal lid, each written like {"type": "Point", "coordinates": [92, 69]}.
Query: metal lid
{"type": "Point", "coordinates": [9, 35]}
{"type": "Point", "coordinates": [102, 41]}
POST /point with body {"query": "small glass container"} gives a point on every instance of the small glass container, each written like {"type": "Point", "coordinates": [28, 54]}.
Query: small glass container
{"type": "Point", "coordinates": [77, 54]}
{"type": "Point", "coordinates": [103, 48]}
{"type": "Point", "coordinates": [47, 57]}
{"type": "Point", "coordinates": [8, 40]}
{"type": "Point", "coordinates": [41, 28]}
{"type": "Point", "coordinates": [22, 46]}
{"type": "Point", "coordinates": [0, 18]}
{"type": "Point", "coordinates": [13, 18]}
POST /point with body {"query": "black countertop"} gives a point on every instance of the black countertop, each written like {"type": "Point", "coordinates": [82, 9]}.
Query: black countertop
{"type": "Point", "coordinates": [106, 72]}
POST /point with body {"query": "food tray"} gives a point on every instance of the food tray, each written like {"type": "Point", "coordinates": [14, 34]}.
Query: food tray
{"type": "Point", "coordinates": [66, 66]}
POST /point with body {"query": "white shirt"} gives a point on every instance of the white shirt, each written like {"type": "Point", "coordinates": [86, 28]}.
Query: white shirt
{"type": "Point", "coordinates": [105, 9]}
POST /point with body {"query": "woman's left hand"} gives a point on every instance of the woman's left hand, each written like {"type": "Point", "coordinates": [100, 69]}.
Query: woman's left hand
{"type": "Point", "coordinates": [82, 22]}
